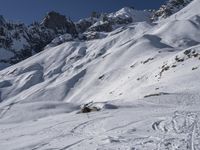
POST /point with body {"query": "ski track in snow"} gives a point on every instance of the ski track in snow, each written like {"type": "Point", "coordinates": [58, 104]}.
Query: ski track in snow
{"type": "Point", "coordinates": [101, 131]}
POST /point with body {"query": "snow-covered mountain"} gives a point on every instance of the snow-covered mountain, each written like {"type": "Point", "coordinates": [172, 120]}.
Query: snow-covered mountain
{"type": "Point", "coordinates": [143, 76]}
{"type": "Point", "coordinates": [18, 41]}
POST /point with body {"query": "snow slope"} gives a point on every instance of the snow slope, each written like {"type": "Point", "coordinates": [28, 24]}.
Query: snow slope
{"type": "Point", "coordinates": [150, 72]}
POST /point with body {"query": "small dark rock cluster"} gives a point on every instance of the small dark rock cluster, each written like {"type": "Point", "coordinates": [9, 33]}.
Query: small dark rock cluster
{"type": "Point", "coordinates": [87, 108]}
{"type": "Point", "coordinates": [188, 54]}
{"type": "Point", "coordinates": [148, 60]}
{"type": "Point", "coordinates": [156, 94]}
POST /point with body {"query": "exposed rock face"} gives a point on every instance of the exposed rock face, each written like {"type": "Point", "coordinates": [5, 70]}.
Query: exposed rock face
{"type": "Point", "coordinates": [39, 37]}
{"type": "Point", "coordinates": [91, 35]}
{"type": "Point", "coordinates": [21, 41]}
{"type": "Point", "coordinates": [108, 22]}
{"type": "Point", "coordinates": [83, 25]}
{"type": "Point", "coordinates": [171, 7]}
{"type": "Point", "coordinates": [122, 20]}
{"type": "Point", "coordinates": [59, 23]}
{"type": "Point", "coordinates": [13, 39]}
{"type": "Point", "coordinates": [2, 20]}
{"type": "Point", "coordinates": [101, 27]}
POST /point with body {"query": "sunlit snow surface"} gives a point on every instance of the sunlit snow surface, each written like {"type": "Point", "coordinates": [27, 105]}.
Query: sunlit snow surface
{"type": "Point", "coordinates": [150, 72]}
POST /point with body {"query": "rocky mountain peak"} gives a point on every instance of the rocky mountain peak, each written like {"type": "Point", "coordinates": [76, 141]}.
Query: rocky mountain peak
{"type": "Point", "coordinates": [59, 23]}
{"type": "Point", "coordinates": [2, 20]}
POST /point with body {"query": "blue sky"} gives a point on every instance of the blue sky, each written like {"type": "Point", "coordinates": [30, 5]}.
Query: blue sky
{"type": "Point", "coordinates": [34, 10]}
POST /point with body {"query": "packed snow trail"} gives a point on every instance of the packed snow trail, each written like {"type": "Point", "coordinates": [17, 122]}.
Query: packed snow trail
{"type": "Point", "coordinates": [131, 126]}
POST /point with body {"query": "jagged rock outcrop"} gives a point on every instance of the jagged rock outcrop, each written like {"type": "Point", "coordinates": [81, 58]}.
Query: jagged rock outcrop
{"type": "Point", "coordinates": [97, 24]}
{"type": "Point", "coordinates": [19, 41]}
{"type": "Point", "coordinates": [83, 25]}
{"type": "Point", "coordinates": [39, 37]}
{"type": "Point", "coordinates": [13, 41]}
{"type": "Point", "coordinates": [171, 7]}
{"type": "Point", "coordinates": [2, 20]}
{"type": "Point", "coordinates": [59, 23]}
{"type": "Point", "coordinates": [101, 26]}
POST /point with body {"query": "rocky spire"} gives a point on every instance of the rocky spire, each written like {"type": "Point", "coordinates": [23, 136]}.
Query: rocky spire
{"type": "Point", "coordinates": [58, 23]}
{"type": "Point", "coordinates": [2, 20]}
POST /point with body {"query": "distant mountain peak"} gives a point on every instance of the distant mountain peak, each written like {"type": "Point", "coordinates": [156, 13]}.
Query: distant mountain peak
{"type": "Point", "coordinates": [55, 20]}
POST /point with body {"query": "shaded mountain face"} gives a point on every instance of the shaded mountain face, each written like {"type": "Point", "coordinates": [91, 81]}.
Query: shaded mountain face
{"type": "Point", "coordinates": [59, 23]}
{"type": "Point", "coordinates": [19, 41]}
{"type": "Point", "coordinates": [14, 42]}
{"type": "Point", "coordinates": [171, 7]}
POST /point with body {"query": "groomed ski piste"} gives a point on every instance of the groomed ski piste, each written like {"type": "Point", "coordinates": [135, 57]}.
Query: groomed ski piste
{"type": "Point", "coordinates": [144, 78]}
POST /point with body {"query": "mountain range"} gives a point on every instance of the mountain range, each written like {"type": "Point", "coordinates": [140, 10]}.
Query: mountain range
{"type": "Point", "coordinates": [19, 41]}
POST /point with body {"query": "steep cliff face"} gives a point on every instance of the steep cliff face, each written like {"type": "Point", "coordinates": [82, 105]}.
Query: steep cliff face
{"type": "Point", "coordinates": [59, 23]}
